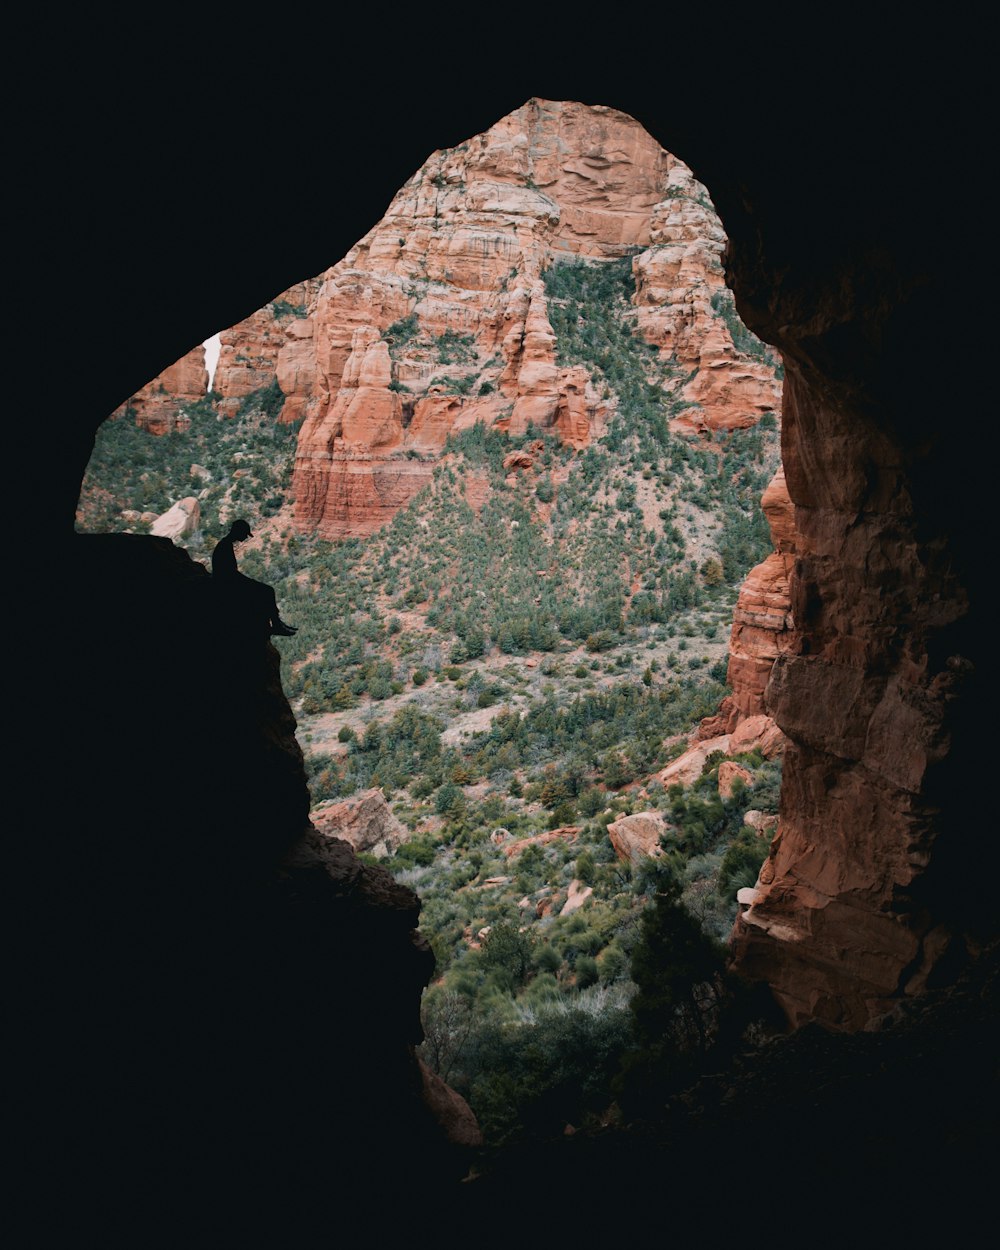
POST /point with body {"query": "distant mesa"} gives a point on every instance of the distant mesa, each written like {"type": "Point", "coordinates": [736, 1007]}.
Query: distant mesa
{"type": "Point", "coordinates": [439, 317]}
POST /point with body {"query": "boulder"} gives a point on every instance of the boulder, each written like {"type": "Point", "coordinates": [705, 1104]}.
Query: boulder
{"type": "Point", "coordinates": [182, 519]}
{"type": "Point", "coordinates": [637, 836]}
{"type": "Point", "coordinates": [364, 821]}
{"type": "Point", "coordinates": [729, 774]}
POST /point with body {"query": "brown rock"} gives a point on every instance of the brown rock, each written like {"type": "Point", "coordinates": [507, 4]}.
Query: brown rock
{"type": "Point", "coordinates": [576, 897]}
{"type": "Point", "coordinates": [757, 733]}
{"type": "Point", "coordinates": [687, 768]}
{"type": "Point", "coordinates": [450, 1110]}
{"type": "Point", "coordinates": [637, 836]}
{"type": "Point", "coordinates": [763, 823]}
{"type": "Point", "coordinates": [182, 519]}
{"type": "Point", "coordinates": [363, 821]}
{"type": "Point", "coordinates": [517, 460]}
{"type": "Point", "coordinates": [729, 774]}
{"type": "Point", "coordinates": [159, 407]}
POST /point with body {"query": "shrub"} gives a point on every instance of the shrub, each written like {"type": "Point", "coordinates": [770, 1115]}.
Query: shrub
{"type": "Point", "coordinates": [547, 958]}
{"type": "Point", "coordinates": [506, 948]}
{"type": "Point", "coordinates": [586, 971]}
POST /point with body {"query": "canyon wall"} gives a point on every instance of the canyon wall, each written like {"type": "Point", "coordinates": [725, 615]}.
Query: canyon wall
{"type": "Point", "coordinates": [446, 288]}
{"type": "Point", "coordinates": [438, 318]}
{"type": "Point", "coordinates": [158, 407]}
{"type": "Point", "coordinates": [249, 351]}
{"type": "Point", "coordinates": [850, 912]}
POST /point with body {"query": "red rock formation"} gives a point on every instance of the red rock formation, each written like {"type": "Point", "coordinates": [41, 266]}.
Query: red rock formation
{"type": "Point", "coordinates": [159, 406]}
{"type": "Point", "coordinates": [444, 301]}
{"type": "Point", "coordinates": [364, 821]}
{"type": "Point", "coordinates": [729, 774]}
{"type": "Point", "coordinates": [762, 630]}
{"type": "Point", "coordinates": [762, 622]}
{"type": "Point", "coordinates": [835, 926]}
{"type": "Point", "coordinates": [274, 341]}
{"type": "Point", "coordinates": [459, 254]}
{"type": "Point", "coordinates": [637, 836]}
{"type": "Point", "coordinates": [685, 308]}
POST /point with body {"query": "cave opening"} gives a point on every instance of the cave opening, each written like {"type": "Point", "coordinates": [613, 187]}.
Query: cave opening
{"type": "Point", "coordinates": [550, 353]}
{"type": "Point", "coordinates": [877, 710]}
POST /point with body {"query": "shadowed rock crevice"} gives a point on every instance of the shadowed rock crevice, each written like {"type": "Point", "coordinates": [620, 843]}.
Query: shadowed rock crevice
{"type": "Point", "coordinates": [243, 994]}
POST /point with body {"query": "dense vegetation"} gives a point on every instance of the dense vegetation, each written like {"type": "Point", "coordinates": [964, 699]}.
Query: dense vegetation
{"type": "Point", "coordinates": [237, 467]}
{"type": "Point", "coordinates": [513, 674]}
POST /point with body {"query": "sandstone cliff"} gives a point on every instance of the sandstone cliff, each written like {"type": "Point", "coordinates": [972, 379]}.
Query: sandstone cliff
{"type": "Point", "coordinates": [442, 308]}
{"type": "Point", "coordinates": [685, 309]}
{"type": "Point", "coordinates": [850, 912]}
{"type": "Point", "coordinates": [762, 631]}
{"type": "Point", "coordinates": [159, 406]}
{"type": "Point", "coordinates": [250, 351]}
{"type": "Point", "coordinates": [438, 318]}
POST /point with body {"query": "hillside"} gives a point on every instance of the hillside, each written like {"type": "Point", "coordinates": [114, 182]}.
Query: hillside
{"type": "Point", "coordinates": [510, 513]}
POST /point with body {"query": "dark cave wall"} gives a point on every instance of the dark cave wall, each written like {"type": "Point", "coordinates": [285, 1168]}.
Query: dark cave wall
{"type": "Point", "coordinates": [832, 258]}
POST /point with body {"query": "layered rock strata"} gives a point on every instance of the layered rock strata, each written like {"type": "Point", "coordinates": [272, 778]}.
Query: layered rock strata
{"type": "Point", "coordinates": [273, 342]}
{"type": "Point", "coordinates": [438, 317]}
{"type": "Point", "coordinates": [685, 309]}
{"type": "Point", "coordinates": [850, 911]}
{"type": "Point", "coordinates": [159, 406]}
{"type": "Point", "coordinates": [460, 254]}
{"type": "Point", "coordinates": [763, 630]}
{"type": "Point", "coordinates": [456, 263]}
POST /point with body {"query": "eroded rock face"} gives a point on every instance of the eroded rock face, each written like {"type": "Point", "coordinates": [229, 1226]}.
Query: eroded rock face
{"type": "Point", "coordinates": [159, 406]}
{"type": "Point", "coordinates": [274, 341]}
{"type": "Point", "coordinates": [686, 310]}
{"type": "Point", "coordinates": [762, 621]}
{"type": "Point", "coordinates": [762, 630]}
{"type": "Point", "coordinates": [364, 821]}
{"type": "Point", "coordinates": [460, 254]}
{"type": "Point", "coordinates": [637, 836]}
{"type": "Point", "coordinates": [849, 913]}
